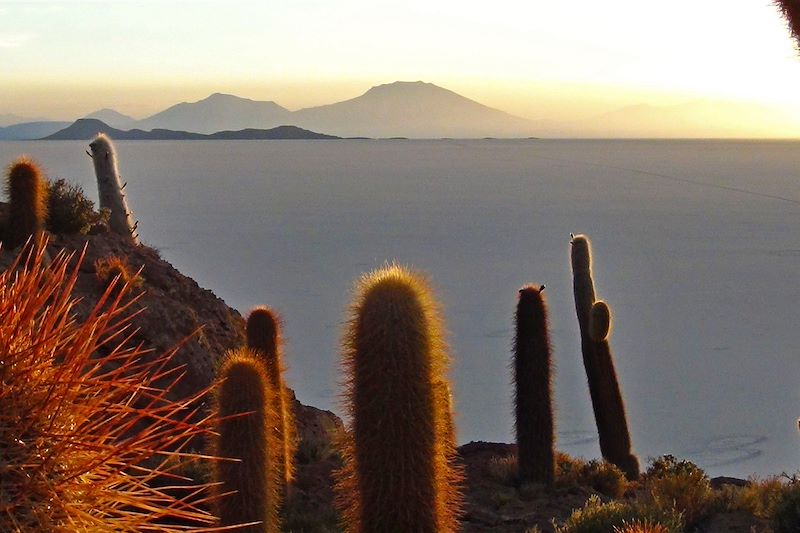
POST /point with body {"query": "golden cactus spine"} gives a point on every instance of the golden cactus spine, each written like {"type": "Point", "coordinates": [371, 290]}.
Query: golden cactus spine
{"type": "Point", "coordinates": [110, 188]}
{"type": "Point", "coordinates": [615, 439]}
{"type": "Point", "coordinates": [442, 389]}
{"type": "Point", "coordinates": [533, 400]}
{"type": "Point", "coordinates": [399, 470]}
{"type": "Point", "coordinates": [264, 339]}
{"type": "Point", "coordinates": [88, 432]}
{"type": "Point", "coordinates": [27, 194]}
{"type": "Point", "coordinates": [248, 483]}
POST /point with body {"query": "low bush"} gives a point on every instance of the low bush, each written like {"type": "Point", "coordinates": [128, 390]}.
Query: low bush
{"type": "Point", "coordinates": [599, 517]}
{"type": "Point", "coordinates": [600, 476]}
{"type": "Point", "coordinates": [757, 498]}
{"type": "Point", "coordinates": [785, 514]}
{"type": "Point", "coordinates": [679, 485]}
{"type": "Point", "coordinates": [70, 211]}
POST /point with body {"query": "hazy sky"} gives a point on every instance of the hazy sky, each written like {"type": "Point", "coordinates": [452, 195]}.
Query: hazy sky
{"type": "Point", "coordinates": [538, 59]}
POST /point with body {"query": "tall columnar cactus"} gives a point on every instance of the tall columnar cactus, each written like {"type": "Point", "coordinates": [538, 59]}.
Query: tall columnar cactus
{"type": "Point", "coordinates": [27, 194]}
{"type": "Point", "coordinates": [248, 484]}
{"type": "Point", "coordinates": [399, 466]}
{"type": "Point", "coordinates": [111, 189]}
{"type": "Point", "coordinates": [533, 379]}
{"type": "Point", "coordinates": [615, 440]}
{"type": "Point", "coordinates": [583, 289]}
{"type": "Point", "coordinates": [264, 340]}
{"type": "Point", "coordinates": [790, 9]}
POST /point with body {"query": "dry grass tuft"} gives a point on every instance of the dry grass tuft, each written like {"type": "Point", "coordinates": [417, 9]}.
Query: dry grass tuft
{"type": "Point", "coordinates": [110, 268]}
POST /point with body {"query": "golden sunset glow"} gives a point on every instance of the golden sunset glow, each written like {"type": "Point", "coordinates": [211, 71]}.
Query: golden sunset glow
{"type": "Point", "coordinates": [540, 60]}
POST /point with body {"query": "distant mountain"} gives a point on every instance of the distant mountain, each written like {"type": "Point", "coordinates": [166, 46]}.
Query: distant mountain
{"type": "Point", "coordinates": [400, 109]}
{"type": "Point", "coordinates": [10, 119]}
{"type": "Point", "coordinates": [218, 112]}
{"type": "Point", "coordinates": [86, 128]}
{"type": "Point", "coordinates": [30, 130]}
{"type": "Point", "coordinates": [113, 118]}
{"type": "Point", "coordinates": [413, 109]}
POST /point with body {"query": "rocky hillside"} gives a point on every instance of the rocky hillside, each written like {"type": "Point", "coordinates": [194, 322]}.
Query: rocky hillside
{"type": "Point", "coordinates": [174, 309]}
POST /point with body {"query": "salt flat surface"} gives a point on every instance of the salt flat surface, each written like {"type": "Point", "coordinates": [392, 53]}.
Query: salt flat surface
{"type": "Point", "coordinates": [696, 249]}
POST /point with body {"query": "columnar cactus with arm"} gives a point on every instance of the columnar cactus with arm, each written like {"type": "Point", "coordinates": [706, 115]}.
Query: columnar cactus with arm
{"type": "Point", "coordinates": [609, 411]}
{"type": "Point", "coordinates": [615, 439]}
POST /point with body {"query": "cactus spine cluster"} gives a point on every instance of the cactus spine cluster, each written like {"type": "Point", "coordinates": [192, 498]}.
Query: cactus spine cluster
{"type": "Point", "coordinates": [248, 482]}
{"type": "Point", "coordinates": [615, 440]}
{"type": "Point", "coordinates": [27, 194]}
{"type": "Point", "coordinates": [609, 410]}
{"type": "Point", "coordinates": [264, 340]}
{"type": "Point", "coordinates": [533, 400]}
{"type": "Point", "coordinates": [111, 189]}
{"type": "Point", "coordinates": [399, 467]}
{"type": "Point", "coordinates": [790, 9]}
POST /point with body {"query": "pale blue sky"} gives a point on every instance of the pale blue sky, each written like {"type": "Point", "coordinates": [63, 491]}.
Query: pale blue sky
{"type": "Point", "coordinates": [534, 58]}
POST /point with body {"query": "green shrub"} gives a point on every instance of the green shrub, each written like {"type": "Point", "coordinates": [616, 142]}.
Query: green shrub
{"type": "Point", "coordinates": [568, 469]}
{"type": "Point", "coordinates": [600, 476]}
{"type": "Point", "coordinates": [758, 498]}
{"type": "Point", "coordinates": [679, 485]}
{"type": "Point", "coordinates": [785, 516]}
{"type": "Point", "coordinates": [669, 465]}
{"type": "Point", "coordinates": [70, 211]}
{"type": "Point", "coordinates": [599, 517]}
{"type": "Point", "coordinates": [605, 478]}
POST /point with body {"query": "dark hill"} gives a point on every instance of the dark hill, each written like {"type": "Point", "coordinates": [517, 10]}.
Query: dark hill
{"type": "Point", "coordinates": [86, 128]}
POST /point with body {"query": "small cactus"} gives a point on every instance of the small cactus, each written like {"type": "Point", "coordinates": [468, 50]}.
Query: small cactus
{"type": "Point", "coordinates": [533, 378]}
{"type": "Point", "coordinates": [248, 481]}
{"type": "Point", "coordinates": [27, 194]}
{"type": "Point", "coordinates": [615, 440]}
{"type": "Point", "coordinates": [111, 189]}
{"type": "Point", "coordinates": [399, 464]}
{"type": "Point", "coordinates": [264, 340]}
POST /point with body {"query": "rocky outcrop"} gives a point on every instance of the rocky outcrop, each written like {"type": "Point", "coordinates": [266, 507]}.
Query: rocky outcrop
{"type": "Point", "coordinates": [174, 310]}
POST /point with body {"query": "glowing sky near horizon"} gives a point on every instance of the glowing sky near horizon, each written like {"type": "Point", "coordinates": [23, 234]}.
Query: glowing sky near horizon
{"type": "Point", "coordinates": [532, 58]}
